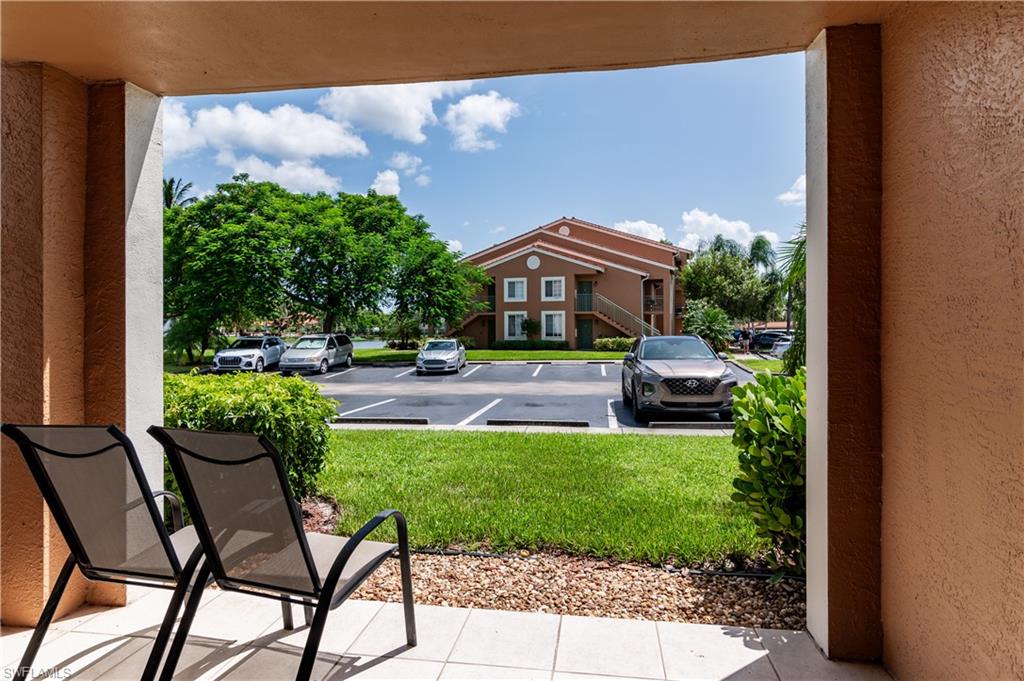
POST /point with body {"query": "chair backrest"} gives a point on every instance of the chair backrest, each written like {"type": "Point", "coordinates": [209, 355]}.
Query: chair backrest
{"type": "Point", "coordinates": [97, 492]}
{"type": "Point", "coordinates": [235, 488]}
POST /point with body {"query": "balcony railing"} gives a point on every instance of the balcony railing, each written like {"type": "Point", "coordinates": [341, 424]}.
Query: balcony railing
{"type": "Point", "coordinates": [654, 303]}
{"type": "Point", "coordinates": [485, 303]}
{"type": "Point", "coordinates": [623, 318]}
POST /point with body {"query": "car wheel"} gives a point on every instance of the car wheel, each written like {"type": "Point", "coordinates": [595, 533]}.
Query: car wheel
{"type": "Point", "coordinates": [348, 360]}
{"type": "Point", "coordinates": [259, 365]}
{"type": "Point", "coordinates": [639, 415]}
{"type": "Point", "coordinates": [627, 399]}
{"type": "Point", "coordinates": [324, 366]}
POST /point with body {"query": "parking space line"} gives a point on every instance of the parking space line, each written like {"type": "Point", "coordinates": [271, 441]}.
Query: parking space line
{"type": "Point", "coordinates": [603, 371]}
{"type": "Point", "coordinates": [471, 371]}
{"type": "Point", "coordinates": [469, 419]}
{"type": "Point", "coordinates": [404, 373]}
{"type": "Point", "coordinates": [375, 404]}
{"type": "Point", "coordinates": [337, 373]}
{"type": "Point", "coordinates": [537, 370]}
{"type": "Point", "coordinates": [613, 422]}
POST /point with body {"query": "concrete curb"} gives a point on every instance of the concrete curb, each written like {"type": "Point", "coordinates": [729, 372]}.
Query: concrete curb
{"type": "Point", "coordinates": [539, 422]}
{"type": "Point", "coordinates": [383, 420]}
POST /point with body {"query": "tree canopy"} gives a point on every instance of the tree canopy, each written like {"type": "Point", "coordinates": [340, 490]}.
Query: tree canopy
{"type": "Point", "coordinates": [254, 251]}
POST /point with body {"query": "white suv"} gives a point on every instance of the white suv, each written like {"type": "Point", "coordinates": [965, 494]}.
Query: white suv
{"type": "Point", "coordinates": [250, 353]}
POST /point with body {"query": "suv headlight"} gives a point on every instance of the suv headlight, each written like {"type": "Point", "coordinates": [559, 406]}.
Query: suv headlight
{"type": "Point", "coordinates": [648, 389]}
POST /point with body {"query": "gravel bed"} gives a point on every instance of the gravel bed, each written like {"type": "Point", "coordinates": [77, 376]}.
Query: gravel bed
{"type": "Point", "coordinates": [575, 585]}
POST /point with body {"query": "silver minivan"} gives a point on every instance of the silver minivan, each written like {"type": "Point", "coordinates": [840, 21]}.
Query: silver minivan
{"type": "Point", "coordinates": [317, 352]}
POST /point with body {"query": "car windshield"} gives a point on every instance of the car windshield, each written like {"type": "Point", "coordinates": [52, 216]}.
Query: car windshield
{"type": "Point", "coordinates": [439, 346]}
{"type": "Point", "coordinates": [309, 343]}
{"type": "Point", "coordinates": [675, 348]}
{"type": "Point", "coordinates": [247, 344]}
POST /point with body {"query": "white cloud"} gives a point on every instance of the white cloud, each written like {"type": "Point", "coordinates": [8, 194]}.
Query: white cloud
{"type": "Point", "coordinates": [641, 228]}
{"type": "Point", "coordinates": [180, 137]}
{"type": "Point", "coordinates": [795, 195]}
{"type": "Point", "coordinates": [700, 226]}
{"type": "Point", "coordinates": [286, 132]}
{"type": "Point", "coordinates": [411, 166]}
{"type": "Point", "coordinates": [454, 245]}
{"type": "Point", "coordinates": [472, 116]}
{"type": "Point", "coordinates": [401, 111]}
{"type": "Point", "coordinates": [297, 176]}
{"type": "Point", "coordinates": [498, 230]}
{"type": "Point", "coordinates": [386, 182]}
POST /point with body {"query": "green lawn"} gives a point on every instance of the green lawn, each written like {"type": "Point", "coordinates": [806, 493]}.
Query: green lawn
{"type": "Point", "coordinates": [639, 497]}
{"type": "Point", "coordinates": [386, 355]}
{"type": "Point", "coordinates": [773, 365]}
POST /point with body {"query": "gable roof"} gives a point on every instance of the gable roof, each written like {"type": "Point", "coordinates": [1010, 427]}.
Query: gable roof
{"type": "Point", "coordinates": [538, 232]}
{"type": "Point", "coordinates": [550, 250]}
{"type": "Point", "coordinates": [615, 232]}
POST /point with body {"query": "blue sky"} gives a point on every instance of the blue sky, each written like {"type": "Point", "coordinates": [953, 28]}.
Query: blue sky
{"type": "Point", "coordinates": [681, 151]}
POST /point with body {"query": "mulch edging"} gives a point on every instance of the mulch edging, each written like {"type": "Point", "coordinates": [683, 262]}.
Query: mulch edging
{"type": "Point", "coordinates": [580, 585]}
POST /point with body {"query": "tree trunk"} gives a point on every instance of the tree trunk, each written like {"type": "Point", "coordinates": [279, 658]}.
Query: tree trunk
{"type": "Point", "coordinates": [328, 321]}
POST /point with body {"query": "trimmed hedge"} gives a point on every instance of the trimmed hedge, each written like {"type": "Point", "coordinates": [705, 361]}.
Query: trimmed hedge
{"type": "Point", "coordinates": [291, 412]}
{"type": "Point", "coordinates": [530, 345]}
{"type": "Point", "coordinates": [614, 344]}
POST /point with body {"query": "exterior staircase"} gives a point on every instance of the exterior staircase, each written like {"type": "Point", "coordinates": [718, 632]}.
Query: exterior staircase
{"type": "Point", "coordinates": [613, 313]}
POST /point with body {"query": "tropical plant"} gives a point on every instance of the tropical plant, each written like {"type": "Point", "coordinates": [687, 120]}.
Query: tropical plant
{"type": "Point", "coordinates": [614, 344]}
{"type": "Point", "coordinates": [771, 434]}
{"type": "Point", "coordinates": [761, 254]}
{"type": "Point", "coordinates": [290, 412]}
{"type": "Point", "coordinates": [531, 327]}
{"type": "Point", "coordinates": [175, 193]}
{"type": "Point", "coordinates": [709, 322]}
{"type": "Point", "coordinates": [793, 261]}
{"type": "Point", "coordinates": [727, 281]}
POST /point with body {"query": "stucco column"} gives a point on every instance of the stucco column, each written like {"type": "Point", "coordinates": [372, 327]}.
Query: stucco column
{"type": "Point", "coordinates": [81, 311]}
{"type": "Point", "coordinates": [844, 458]}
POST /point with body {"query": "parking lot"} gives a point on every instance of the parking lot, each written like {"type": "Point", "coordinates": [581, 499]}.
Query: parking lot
{"type": "Point", "coordinates": [584, 395]}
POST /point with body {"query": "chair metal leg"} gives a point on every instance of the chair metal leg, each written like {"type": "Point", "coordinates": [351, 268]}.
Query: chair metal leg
{"type": "Point", "coordinates": [316, 632]}
{"type": "Point", "coordinates": [286, 615]}
{"type": "Point", "coordinates": [307, 611]}
{"type": "Point", "coordinates": [407, 596]}
{"type": "Point", "coordinates": [164, 635]}
{"type": "Point", "coordinates": [178, 644]}
{"type": "Point", "coordinates": [45, 617]}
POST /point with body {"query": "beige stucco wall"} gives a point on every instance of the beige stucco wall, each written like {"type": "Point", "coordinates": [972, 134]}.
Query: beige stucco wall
{"type": "Point", "coordinates": [953, 342]}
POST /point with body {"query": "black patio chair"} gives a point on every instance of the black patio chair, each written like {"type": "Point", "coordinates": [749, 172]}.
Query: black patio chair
{"type": "Point", "coordinates": [250, 527]}
{"type": "Point", "coordinates": [92, 481]}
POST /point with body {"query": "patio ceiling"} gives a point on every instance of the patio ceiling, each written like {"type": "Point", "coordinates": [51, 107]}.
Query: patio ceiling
{"type": "Point", "coordinates": [178, 48]}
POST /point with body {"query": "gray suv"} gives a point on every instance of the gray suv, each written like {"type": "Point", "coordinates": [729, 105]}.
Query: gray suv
{"type": "Point", "coordinates": [318, 352]}
{"type": "Point", "coordinates": [674, 376]}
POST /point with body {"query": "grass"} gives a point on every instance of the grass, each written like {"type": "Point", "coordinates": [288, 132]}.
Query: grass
{"type": "Point", "coordinates": [387, 355]}
{"type": "Point", "coordinates": [773, 365]}
{"type": "Point", "coordinates": [632, 497]}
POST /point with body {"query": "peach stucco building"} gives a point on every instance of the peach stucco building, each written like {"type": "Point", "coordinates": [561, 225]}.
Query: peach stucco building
{"type": "Point", "coordinates": [915, 227]}
{"type": "Point", "coordinates": [581, 281]}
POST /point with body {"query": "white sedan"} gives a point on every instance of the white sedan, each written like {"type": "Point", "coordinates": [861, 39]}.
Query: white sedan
{"type": "Point", "coordinates": [441, 355]}
{"type": "Point", "coordinates": [780, 347]}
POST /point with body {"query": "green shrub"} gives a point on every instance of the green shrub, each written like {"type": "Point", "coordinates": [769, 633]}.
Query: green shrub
{"type": "Point", "coordinates": [290, 412]}
{"type": "Point", "coordinates": [468, 341]}
{"type": "Point", "coordinates": [530, 345]}
{"type": "Point", "coordinates": [709, 322]}
{"type": "Point", "coordinates": [531, 327]}
{"type": "Point", "coordinates": [614, 344]}
{"type": "Point", "coordinates": [771, 433]}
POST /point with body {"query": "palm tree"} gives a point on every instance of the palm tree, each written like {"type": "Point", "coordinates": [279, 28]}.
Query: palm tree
{"type": "Point", "coordinates": [175, 190]}
{"type": "Point", "coordinates": [793, 259]}
{"type": "Point", "coordinates": [761, 254]}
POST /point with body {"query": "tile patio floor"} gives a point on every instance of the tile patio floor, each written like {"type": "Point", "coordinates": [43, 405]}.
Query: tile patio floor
{"type": "Point", "coordinates": [239, 637]}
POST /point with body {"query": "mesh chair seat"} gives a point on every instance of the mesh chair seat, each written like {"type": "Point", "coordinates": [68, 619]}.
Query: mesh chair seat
{"type": "Point", "coordinates": [183, 542]}
{"type": "Point", "coordinates": [324, 549]}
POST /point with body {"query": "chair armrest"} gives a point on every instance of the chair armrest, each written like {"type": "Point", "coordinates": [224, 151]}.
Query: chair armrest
{"type": "Point", "coordinates": [334, 575]}
{"type": "Point", "coordinates": [177, 518]}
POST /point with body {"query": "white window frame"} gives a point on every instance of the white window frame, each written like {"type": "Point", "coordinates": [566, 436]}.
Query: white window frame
{"type": "Point", "coordinates": [543, 289]}
{"type": "Point", "coordinates": [504, 290]}
{"type": "Point", "coordinates": [544, 327]}
{"type": "Point", "coordinates": [515, 313]}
